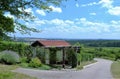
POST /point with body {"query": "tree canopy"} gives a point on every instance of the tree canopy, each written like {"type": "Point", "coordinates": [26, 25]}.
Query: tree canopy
{"type": "Point", "coordinates": [17, 8]}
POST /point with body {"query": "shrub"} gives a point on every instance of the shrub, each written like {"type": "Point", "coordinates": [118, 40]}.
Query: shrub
{"type": "Point", "coordinates": [23, 60]}
{"type": "Point", "coordinates": [35, 62]}
{"type": "Point", "coordinates": [45, 67]}
{"type": "Point", "coordinates": [9, 57]}
{"type": "Point", "coordinates": [24, 64]}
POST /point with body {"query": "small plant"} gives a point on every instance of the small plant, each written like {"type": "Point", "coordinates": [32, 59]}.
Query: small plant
{"type": "Point", "coordinates": [9, 57]}
{"type": "Point", "coordinates": [24, 64]}
{"type": "Point", "coordinates": [23, 60]}
{"type": "Point", "coordinates": [45, 67]}
{"type": "Point", "coordinates": [35, 62]}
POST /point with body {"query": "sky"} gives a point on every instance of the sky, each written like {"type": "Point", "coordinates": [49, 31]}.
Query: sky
{"type": "Point", "coordinates": [81, 19]}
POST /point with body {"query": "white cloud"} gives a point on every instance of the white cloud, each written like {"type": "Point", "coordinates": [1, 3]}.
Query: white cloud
{"type": "Point", "coordinates": [90, 4]}
{"type": "Point", "coordinates": [115, 22]}
{"type": "Point", "coordinates": [29, 10]}
{"type": "Point", "coordinates": [77, 5]}
{"type": "Point", "coordinates": [106, 3]}
{"type": "Point", "coordinates": [80, 25]}
{"type": "Point", "coordinates": [41, 12]}
{"type": "Point", "coordinates": [56, 9]}
{"type": "Point", "coordinates": [90, 26]}
{"type": "Point", "coordinates": [114, 11]}
{"type": "Point", "coordinates": [9, 15]}
{"type": "Point", "coordinates": [69, 22]}
{"type": "Point", "coordinates": [57, 21]}
{"type": "Point", "coordinates": [92, 13]}
{"type": "Point", "coordinates": [60, 22]}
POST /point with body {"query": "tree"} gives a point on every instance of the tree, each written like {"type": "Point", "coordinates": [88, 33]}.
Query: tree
{"type": "Point", "coordinates": [6, 25]}
{"type": "Point", "coordinates": [17, 8]}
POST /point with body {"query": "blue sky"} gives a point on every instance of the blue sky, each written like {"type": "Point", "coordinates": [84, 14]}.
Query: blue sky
{"type": "Point", "coordinates": [81, 19]}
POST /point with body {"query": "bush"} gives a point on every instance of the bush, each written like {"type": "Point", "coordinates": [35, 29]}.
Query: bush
{"type": "Point", "coordinates": [9, 57]}
{"type": "Point", "coordinates": [24, 64]}
{"type": "Point", "coordinates": [45, 67]}
{"type": "Point", "coordinates": [35, 62]}
{"type": "Point", "coordinates": [23, 49]}
{"type": "Point", "coordinates": [23, 60]}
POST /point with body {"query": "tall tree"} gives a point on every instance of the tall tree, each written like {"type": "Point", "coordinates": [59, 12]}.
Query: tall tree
{"type": "Point", "coordinates": [17, 8]}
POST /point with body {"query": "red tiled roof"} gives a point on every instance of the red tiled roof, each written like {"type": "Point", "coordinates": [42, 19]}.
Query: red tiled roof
{"type": "Point", "coordinates": [52, 43]}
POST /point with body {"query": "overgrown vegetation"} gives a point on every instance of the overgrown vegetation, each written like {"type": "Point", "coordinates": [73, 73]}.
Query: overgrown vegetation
{"type": "Point", "coordinates": [112, 53]}
{"type": "Point", "coordinates": [72, 58]}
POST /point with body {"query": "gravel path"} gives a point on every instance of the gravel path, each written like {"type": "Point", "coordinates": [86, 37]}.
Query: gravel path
{"type": "Point", "coordinates": [99, 70]}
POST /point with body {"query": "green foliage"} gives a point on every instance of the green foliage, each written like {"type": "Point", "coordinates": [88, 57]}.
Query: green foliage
{"type": "Point", "coordinates": [24, 64]}
{"type": "Point", "coordinates": [9, 57]}
{"type": "Point", "coordinates": [40, 53]}
{"type": "Point", "coordinates": [112, 53]}
{"type": "Point", "coordinates": [4, 23]}
{"type": "Point", "coordinates": [79, 58]}
{"type": "Point", "coordinates": [45, 67]}
{"type": "Point", "coordinates": [72, 57]}
{"type": "Point", "coordinates": [23, 60]}
{"type": "Point", "coordinates": [35, 63]}
{"type": "Point", "coordinates": [86, 56]}
{"type": "Point", "coordinates": [24, 50]}
{"type": "Point", "coordinates": [53, 55]}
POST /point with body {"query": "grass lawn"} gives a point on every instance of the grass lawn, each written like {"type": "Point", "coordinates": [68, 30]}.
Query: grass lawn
{"type": "Point", "coordinates": [115, 68]}
{"type": "Point", "coordinates": [5, 73]}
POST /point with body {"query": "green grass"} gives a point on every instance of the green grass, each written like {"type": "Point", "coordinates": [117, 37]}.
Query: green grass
{"type": "Point", "coordinates": [85, 63]}
{"type": "Point", "coordinates": [115, 68]}
{"type": "Point", "coordinates": [42, 67]}
{"type": "Point", "coordinates": [6, 73]}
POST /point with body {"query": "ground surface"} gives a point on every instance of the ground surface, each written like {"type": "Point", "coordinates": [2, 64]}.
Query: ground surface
{"type": "Point", "coordinates": [99, 70]}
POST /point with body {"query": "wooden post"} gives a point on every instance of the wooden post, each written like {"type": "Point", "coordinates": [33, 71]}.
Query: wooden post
{"type": "Point", "coordinates": [63, 65]}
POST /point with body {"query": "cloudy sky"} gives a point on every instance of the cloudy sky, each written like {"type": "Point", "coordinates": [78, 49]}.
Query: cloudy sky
{"type": "Point", "coordinates": [81, 19]}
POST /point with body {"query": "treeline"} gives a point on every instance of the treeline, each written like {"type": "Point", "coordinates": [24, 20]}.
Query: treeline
{"type": "Point", "coordinates": [97, 43]}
